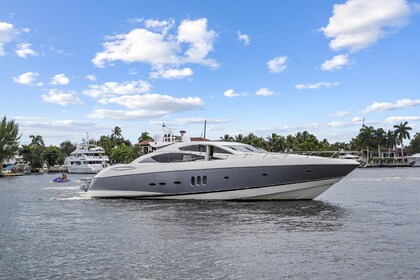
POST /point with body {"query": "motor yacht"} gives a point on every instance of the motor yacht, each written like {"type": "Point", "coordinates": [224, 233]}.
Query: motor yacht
{"type": "Point", "coordinates": [87, 158]}
{"type": "Point", "coordinates": [219, 170]}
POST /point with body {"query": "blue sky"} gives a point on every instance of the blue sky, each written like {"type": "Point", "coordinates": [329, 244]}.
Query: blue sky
{"type": "Point", "coordinates": [72, 67]}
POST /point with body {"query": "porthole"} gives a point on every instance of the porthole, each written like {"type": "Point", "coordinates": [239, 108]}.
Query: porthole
{"type": "Point", "coordinates": [162, 183]}
{"type": "Point", "coordinates": [152, 184]}
{"type": "Point", "coordinates": [226, 177]}
{"type": "Point", "coordinates": [177, 182]}
{"type": "Point", "coordinates": [192, 181]}
{"type": "Point", "coordinates": [308, 171]}
{"type": "Point", "coordinates": [198, 180]}
{"type": "Point", "coordinates": [204, 180]}
{"type": "Point", "coordinates": [264, 174]}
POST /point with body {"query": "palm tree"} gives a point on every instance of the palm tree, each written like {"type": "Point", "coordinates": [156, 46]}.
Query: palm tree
{"type": "Point", "coordinates": [366, 137]}
{"type": "Point", "coordinates": [271, 139]}
{"type": "Point", "coordinates": [380, 139]}
{"type": "Point", "coordinates": [37, 141]}
{"type": "Point", "coordinates": [144, 136]}
{"type": "Point", "coordinates": [401, 132]}
{"type": "Point", "coordinates": [116, 132]}
{"type": "Point", "coordinates": [26, 152]}
{"type": "Point", "coordinates": [291, 142]}
{"type": "Point", "coordinates": [390, 141]}
{"type": "Point", "coordinates": [239, 138]}
{"type": "Point", "coordinates": [227, 138]}
{"type": "Point", "coordinates": [116, 136]}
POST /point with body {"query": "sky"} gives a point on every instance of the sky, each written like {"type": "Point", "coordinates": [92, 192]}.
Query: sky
{"type": "Point", "coordinates": [68, 68]}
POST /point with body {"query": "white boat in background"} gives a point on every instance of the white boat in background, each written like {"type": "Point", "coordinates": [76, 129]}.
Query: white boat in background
{"type": "Point", "coordinates": [87, 158]}
{"type": "Point", "coordinates": [219, 170]}
{"type": "Point", "coordinates": [414, 160]}
{"type": "Point", "coordinates": [348, 155]}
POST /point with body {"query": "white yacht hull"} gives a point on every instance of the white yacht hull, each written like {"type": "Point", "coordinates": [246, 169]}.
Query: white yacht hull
{"type": "Point", "coordinates": [307, 190]}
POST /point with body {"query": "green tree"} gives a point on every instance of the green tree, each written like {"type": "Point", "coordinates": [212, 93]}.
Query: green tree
{"type": "Point", "coordinates": [239, 138]}
{"type": "Point", "coordinates": [390, 141]}
{"type": "Point", "coordinates": [50, 155]}
{"type": "Point", "coordinates": [26, 151]}
{"type": "Point", "coordinates": [144, 136]}
{"type": "Point", "coordinates": [271, 139]}
{"type": "Point", "coordinates": [227, 138]}
{"type": "Point", "coordinates": [291, 143]}
{"type": "Point", "coordinates": [9, 139]}
{"type": "Point", "coordinates": [366, 138]}
{"type": "Point", "coordinates": [380, 139]}
{"type": "Point", "coordinates": [37, 140]}
{"type": "Point", "coordinates": [401, 132]}
{"type": "Point", "coordinates": [66, 148]}
{"type": "Point", "coordinates": [121, 154]}
{"type": "Point", "coordinates": [106, 143]}
{"type": "Point", "coordinates": [414, 146]}
{"type": "Point", "coordinates": [37, 147]}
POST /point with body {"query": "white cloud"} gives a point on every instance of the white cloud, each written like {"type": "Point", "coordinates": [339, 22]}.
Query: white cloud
{"type": "Point", "coordinates": [398, 119]}
{"type": "Point", "coordinates": [160, 26]}
{"type": "Point", "coordinates": [24, 50]}
{"type": "Point", "coordinates": [169, 74]}
{"type": "Point", "coordinates": [196, 120]}
{"type": "Point", "coordinates": [317, 85]}
{"type": "Point", "coordinates": [357, 24]}
{"type": "Point", "coordinates": [154, 46]}
{"type": "Point", "coordinates": [139, 45]}
{"type": "Point", "coordinates": [231, 93]}
{"type": "Point", "coordinates": [60, 79]}
{"type": "Point", "coordinates": [277, 64]}
{"type": "Point", "coordinates": [7, 33]}
{"type": "Point", "coordinates": [342, 114]}
{"type": "Point", "coordinates": [244, 38]}
{"type": "Point", "coordinates": [157, 102]}
{"type": "Point", "coordinates": [26, 78]}
{"type": "Point", "coordinates": [336, 63]}
{"type": "Point", "coordinates": [61, 98]}
{"type": "Point", "coordinates": [200, 40]}
{"type": "Point", "coordinates": [387, 106]}
{"type": "Point", "coordinates": [264, 92]}
{"type": "Point", "coordinates": [114, 88]}
{"type": "Point", "coordinates": [147, 106]}
{"type": "Point", "coordinates": [91, 78]}
{"type": "Point", "coordinates": [357, 119]}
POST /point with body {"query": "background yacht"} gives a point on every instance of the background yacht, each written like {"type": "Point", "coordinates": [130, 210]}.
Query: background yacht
{"type": "Point", "coordinates": [87, 158]}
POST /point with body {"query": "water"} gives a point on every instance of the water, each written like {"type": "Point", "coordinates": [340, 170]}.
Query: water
{"type": "Point", "coordinates": [365, 227]}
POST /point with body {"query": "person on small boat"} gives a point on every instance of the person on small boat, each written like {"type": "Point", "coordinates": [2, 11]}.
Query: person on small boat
{"type": "Point", "coordinates": [63, 177]}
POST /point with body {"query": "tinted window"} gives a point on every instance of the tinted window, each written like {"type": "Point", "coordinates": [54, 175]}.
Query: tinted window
{"type": "Point", "coordinates": [194, 148]}
{"type": "Point", "coordinates": [174, 157]}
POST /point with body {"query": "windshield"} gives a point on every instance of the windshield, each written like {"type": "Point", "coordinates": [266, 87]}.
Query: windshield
{"type": "Point", "coordinates": [244, 148]}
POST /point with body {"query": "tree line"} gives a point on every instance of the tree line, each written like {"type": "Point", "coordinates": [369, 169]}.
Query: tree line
{"type": "Point", "coordinates": [121, 150]}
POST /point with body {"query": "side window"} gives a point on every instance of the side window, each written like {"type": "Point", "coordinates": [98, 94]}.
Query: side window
{"type": "Point", "coordinates": [218, 150]}
{"type": "Point", "coordinates": [168, 157]}
{"type": "Point", "coordinates": [194, 148]}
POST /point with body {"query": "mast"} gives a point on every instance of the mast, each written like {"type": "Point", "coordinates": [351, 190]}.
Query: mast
{"type": "Point", "coordinates": [205, 124]}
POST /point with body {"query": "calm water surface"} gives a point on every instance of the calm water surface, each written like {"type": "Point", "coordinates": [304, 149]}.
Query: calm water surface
{"type": "Point", "coordinates": [365, 227]}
